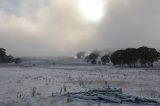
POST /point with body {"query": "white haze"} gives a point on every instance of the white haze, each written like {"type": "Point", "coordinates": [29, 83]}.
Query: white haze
{"type": "Point", "coordinates": [57, 27]}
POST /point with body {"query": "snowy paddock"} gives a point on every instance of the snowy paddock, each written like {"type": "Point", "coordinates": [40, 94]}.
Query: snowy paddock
{"type": "Point", "coordinates": [17, 83]}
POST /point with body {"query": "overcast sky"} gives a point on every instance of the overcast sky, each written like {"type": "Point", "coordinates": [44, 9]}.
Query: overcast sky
{"type": "Point", "coordinates": [58, 27]}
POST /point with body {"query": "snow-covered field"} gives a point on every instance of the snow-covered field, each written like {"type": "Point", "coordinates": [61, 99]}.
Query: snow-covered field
{"type": "Point", "coordinates": [17, 83]}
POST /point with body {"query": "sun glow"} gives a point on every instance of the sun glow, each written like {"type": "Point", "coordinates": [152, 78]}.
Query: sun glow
{"type": "Point", "coordinates": [93, 10]}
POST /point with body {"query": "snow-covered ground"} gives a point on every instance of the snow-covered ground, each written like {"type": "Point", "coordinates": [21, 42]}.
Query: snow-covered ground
{"type": "Point", "coordinates": [17, 83]}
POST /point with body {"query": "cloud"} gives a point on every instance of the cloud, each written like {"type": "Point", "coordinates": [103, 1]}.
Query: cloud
{"type": "Point", "coordinates": [52, 29]}
{"type": "Point", "coordinates": [57, 28]}
{"type": "Point", "coordinates": [132, 24]}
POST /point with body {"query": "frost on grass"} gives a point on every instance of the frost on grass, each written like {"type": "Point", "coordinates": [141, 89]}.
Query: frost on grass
{"type": "Point", "coordinates": [35, 86]}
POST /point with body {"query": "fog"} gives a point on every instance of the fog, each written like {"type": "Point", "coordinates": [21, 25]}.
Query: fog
{"type": "Point", "coordinates": [57, 27]}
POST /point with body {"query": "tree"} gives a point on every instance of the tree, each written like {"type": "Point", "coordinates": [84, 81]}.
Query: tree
{"type": "Point", "coordinates": [2, 54]}
{"type": "Point", "coordinates": [86, 59]}
{"type": "Point", "coordinates": [117, 57]}
{"type": "Point", "coordinates": [7, 58]}
{"type": "Point", "coordinates": [80, 55]}
{"type": "Point", "coordinates": [142, 55]}
{"type": "Point", "coordinates": [152, 56]}
{"type": "Point", "coordinates": [147, 56]}
{"type": "Point", "coordinates": [105, 59]}
{"type": "Point", "coordinates": [130, 57]}
{"type": "Point", "coordinates": [92, 57]}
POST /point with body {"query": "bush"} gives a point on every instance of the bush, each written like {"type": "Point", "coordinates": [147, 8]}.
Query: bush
{"type": "Point", "coordinates": [17, 60]}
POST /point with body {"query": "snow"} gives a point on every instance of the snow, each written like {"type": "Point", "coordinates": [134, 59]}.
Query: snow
{"type": "Point", "coordinates": [17, 83]}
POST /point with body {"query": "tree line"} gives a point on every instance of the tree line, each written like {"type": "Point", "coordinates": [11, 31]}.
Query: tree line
{"type": "Point", "coordinates": [4, 58]}
{"type": "Point", "coordinates": [131, 57]}
{"type": "Point", "coordinates": [92, 58]}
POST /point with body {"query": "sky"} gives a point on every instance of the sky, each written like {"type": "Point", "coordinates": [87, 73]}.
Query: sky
{"type": "Point", "coordinates": [47, 28]}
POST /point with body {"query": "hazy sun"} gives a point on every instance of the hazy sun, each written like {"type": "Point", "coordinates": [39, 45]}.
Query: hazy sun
{"type": "Point", "coordinates": [93, 10]}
